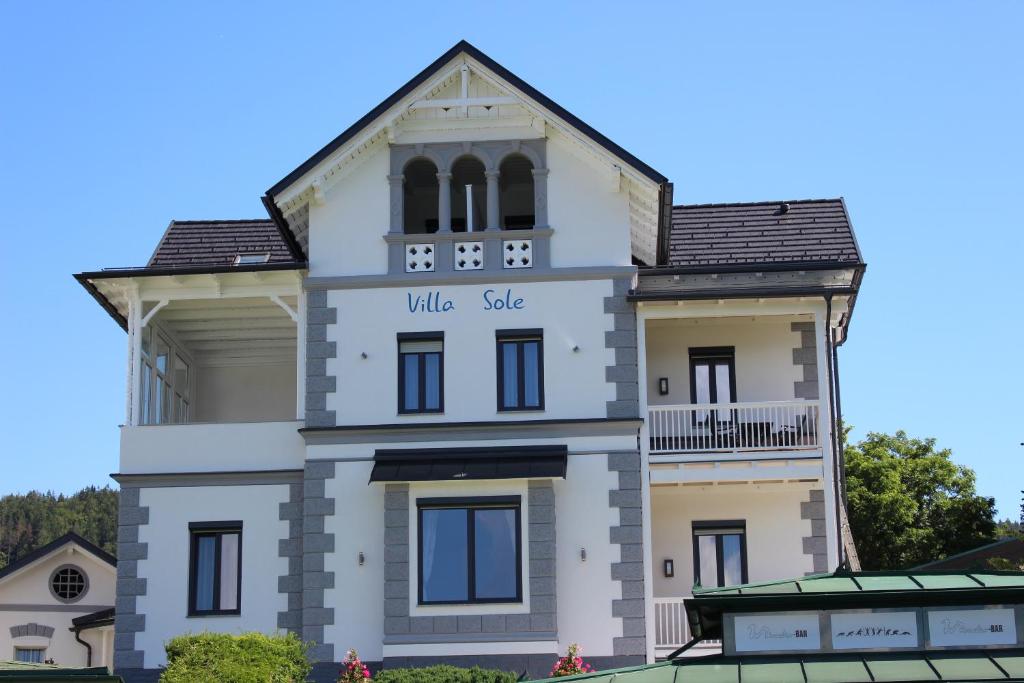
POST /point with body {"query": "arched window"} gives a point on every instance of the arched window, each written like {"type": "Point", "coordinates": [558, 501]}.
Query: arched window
{"type": "Point", "coordinates": [469, 171]}
{"type": "Point", "coordinates": [420, 197]}
{"type": "Point", "coordinates": [516, 186]}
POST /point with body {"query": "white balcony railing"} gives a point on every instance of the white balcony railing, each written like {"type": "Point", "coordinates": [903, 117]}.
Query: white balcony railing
{"type": "Point", "coordinates": [671, 629]}
{"type": "Point", "coordinates": [734, 427]}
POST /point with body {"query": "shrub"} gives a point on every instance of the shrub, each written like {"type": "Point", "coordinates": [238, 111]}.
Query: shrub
{"type": "Point", "coordinates": [443, 673]}
{"type": "Point", "coordinates": [245, 658]}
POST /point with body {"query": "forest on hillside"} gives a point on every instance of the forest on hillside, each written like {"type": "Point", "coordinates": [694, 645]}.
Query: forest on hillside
{"type": "Point", "coordinates": [31, 520]}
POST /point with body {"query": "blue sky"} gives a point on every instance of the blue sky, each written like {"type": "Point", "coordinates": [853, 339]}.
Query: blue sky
{"type": "Point", "coordinates": [118, 117]}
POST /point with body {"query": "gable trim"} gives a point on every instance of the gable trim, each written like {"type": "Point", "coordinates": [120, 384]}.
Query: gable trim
{"type": "Point", "coordinates": [501, 72]}
{"type": "Point", "coordinates": [56, 544]}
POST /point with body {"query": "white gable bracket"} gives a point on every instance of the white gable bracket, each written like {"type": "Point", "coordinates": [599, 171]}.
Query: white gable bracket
{"type": "Point", "coordinates": [292, 313]}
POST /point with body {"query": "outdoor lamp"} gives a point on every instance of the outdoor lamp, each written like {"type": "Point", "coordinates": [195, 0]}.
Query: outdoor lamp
{"type": "Point", "coordinates": [670, 569]}
{"type": "Point", "coordinates": [663, 386]}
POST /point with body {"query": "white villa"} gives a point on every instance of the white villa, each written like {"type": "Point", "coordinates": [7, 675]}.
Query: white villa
{"type": "Point", "coordinates": [476, 390]}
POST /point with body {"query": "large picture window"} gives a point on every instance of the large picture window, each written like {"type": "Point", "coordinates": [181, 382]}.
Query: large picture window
{"type": "Point", "coordinates": [720, 553]}
{"type": "Point", "coordinates": [215, 568]}
{"type": "Point", "coordinates": [520, 369]}
{"type": "Point", "coordinates": [470, 550]}
{"type": "Point", "coordinates": [421, 372]}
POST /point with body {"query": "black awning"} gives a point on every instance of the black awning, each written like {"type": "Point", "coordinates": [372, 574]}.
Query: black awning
{"type": "Point", "coordinates": [455, 464]}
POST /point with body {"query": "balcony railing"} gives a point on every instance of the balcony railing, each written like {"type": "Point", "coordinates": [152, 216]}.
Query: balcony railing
{"type": "Point", "coordinates": [671, 629]}
{"type": "Point", "coordinates": [734, 427]}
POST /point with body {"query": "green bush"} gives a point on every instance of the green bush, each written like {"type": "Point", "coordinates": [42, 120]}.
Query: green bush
{"type": "Point", "coordinates": [245, 658]}
{"type": "Point", "coordinates": [443, 673]}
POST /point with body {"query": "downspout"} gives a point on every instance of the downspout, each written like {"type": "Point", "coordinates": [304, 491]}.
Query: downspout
{"type": "Point", "coordinates": [836, 493]}
{"type": "Point", "coordinates": [88, 648]}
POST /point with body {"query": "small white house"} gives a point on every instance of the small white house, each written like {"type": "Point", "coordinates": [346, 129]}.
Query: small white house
{"type": "Point", "coordinates": [57, 604]}
{"type": "Point", "coordinates": [476, 390]}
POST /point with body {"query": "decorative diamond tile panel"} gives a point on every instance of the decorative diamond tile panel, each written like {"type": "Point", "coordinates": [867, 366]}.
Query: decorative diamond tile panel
{"type": "Point", "coordinates": [469, 255]}
{"type": "Point", "coordinates": [517, 254]}
{"type": "Point", "coordinates": [419, 258]}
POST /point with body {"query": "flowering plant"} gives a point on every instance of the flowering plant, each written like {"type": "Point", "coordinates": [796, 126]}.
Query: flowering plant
{"type": "Point", "coordinates": [571, 664]}
{"type": "Point", "coordinates": [353, 670]}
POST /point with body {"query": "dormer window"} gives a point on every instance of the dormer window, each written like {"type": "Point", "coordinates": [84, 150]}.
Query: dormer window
{"type": "Point", "coordinates": [251, 259]}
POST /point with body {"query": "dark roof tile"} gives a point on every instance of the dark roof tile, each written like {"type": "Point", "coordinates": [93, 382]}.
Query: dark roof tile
{"type": "Point", "coordinates": [813, 230]}
{"type": "Point", "coordinates": [217, 243]}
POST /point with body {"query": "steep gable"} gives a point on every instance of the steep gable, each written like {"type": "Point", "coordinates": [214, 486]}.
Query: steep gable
{"type": "Point", "coordinates": [454, 98]}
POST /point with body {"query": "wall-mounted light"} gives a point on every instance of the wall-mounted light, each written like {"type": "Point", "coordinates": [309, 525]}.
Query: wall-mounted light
{"type": "Point", "coordinates": [663, 386]}
{"type": "Point", "coordinates": [583, 554]}
{"type": "Point", "coordinates": [670, 569]}
{"type": "Point", "coordinates": [362, 558]}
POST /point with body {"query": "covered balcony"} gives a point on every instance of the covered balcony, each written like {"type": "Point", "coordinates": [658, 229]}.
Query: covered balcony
{"type": "Point", "coordinates": [214, 382]}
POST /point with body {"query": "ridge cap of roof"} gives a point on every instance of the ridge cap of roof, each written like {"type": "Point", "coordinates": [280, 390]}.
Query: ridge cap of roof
{"type": "Point", "coordinates": [216, 221]}
{"type": "Point", "coordinates": [759, 203]}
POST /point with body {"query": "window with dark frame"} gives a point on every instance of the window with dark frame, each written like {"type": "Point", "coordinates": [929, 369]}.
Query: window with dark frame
{"type": "Point", "coordinates": [421, 372]}
{"type": "Point", "coordinates": [215, 568]}
{"type": "Point", "coordinates": [712, 380]}
{"type": "Point", "coordinates": [470, 550]}
{"type": "Point", "coordinates": [720, 553]}
{"type": "Point", "coordinates": [520, 369]}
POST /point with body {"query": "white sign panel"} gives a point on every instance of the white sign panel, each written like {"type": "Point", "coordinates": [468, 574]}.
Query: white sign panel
{"type": "Point", "coordinates": [760, 633]}
{"type": "Point", "coordinates": [949, 628]}
{"type": "Point", "coordinates": [873, 630]}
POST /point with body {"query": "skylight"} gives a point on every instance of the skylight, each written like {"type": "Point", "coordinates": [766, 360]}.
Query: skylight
{"type": "Point", "coordinates": [250, 259]}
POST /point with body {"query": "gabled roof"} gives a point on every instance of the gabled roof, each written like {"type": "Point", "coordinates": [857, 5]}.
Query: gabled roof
{"type": "Point", "coordinates": [808, 231]}
{"type": "Point", "coordinates": [57, 544]}
{"type": "Point", "coordinates": [218, 243]}
{"type": "Point", "coordinates": [498, 69]}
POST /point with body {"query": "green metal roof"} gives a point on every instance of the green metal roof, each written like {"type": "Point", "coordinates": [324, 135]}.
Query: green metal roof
{"type": "Point", "coordinates": [20, 671]}
{"type": "Point", "coordinates": [870, 582]}
{"type": "Point", "coordinates": [853, 590]}
{"type": "Point", "coordinates": [974, 665]}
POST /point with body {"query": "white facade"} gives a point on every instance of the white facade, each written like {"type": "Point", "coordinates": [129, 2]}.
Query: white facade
{"type": "Point", "coordinates": [289, 433]}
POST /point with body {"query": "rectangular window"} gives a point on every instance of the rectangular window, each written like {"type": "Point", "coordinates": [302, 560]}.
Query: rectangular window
{"type": "Point", "coordinates": [520, 369]}
{"type": "Point", "coordinates": [470, 550]}
{"type": "Point", "coordinates": [720, 553]}
{"type": "Point", "coordinates": [712, 380]}
{"type": "Point", "coordinates": [421, 372]}
{"type": "Point", "coordinates": [33, 655]}
{"type": "Point", "coordinates": [215, 568]}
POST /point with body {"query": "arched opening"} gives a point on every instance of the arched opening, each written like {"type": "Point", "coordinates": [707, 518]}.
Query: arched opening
{"type": "Point", "coordinates": [516, 187]}
{"type": "Point", "coordinates": [469, 214]}
{"type": "Point", "coordinates": [420, 197]}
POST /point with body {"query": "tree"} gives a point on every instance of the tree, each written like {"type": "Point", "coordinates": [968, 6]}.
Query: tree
{"type": "Point", "coordinates": [910, 503]}
{"type": "Point", "coordinates": [34, 519]}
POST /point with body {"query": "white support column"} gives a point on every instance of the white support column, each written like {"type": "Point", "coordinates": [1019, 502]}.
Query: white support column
{"type": "Point", "coordinates": [825, 416]}
{"type": "Point", "coordinates": [645, 485]}
{"type": "Point", "coordinates": [493, 210]}
{"type": "Point", "coordinates": [444, 202]}
{"type": "Point", "coordinates": [135, 379]}
{"type": "Point", "coordinates": [300, 357]}
{"type": "Point", "coordinates": [129, 391]}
